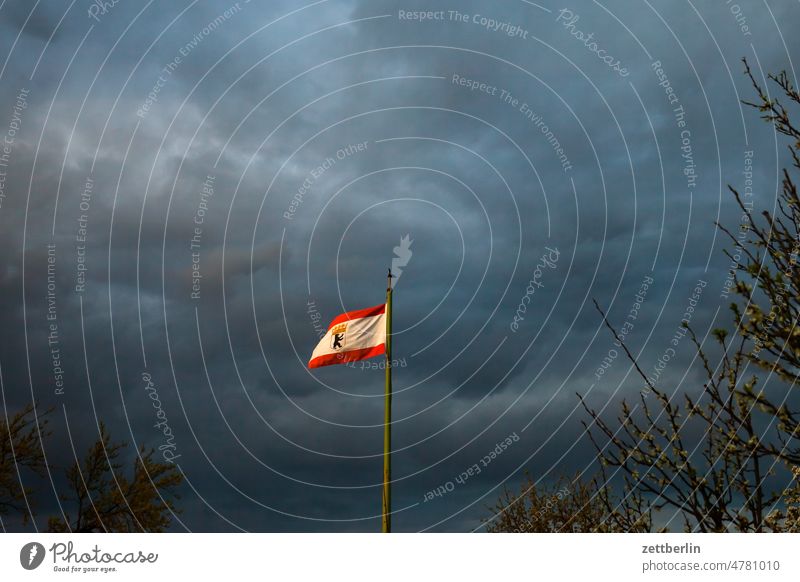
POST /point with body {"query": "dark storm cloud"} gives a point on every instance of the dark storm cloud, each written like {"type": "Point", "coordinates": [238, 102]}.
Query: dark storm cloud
{"type": "Point", "coordinates": [472, 180]}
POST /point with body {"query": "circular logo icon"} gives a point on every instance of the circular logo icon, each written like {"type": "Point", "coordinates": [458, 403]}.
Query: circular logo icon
{"type": "Point", "coordinates": [31, 555]}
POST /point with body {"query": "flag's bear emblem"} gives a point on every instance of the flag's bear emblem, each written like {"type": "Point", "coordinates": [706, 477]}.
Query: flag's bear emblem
{"type": "Point", "coordinates": [338, 337]}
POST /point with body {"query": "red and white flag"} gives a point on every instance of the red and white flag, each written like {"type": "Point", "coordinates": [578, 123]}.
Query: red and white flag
{"type": "Point", "coordinates": [352, 336]}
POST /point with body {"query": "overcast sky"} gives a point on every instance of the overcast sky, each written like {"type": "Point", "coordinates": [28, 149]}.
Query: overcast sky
{"type": "Point", "coordinates": [493, 134]}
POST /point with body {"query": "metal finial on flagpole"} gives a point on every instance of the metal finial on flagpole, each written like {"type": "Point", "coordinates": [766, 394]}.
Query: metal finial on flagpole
{"type": "Point", "coordinates": [386, 508]}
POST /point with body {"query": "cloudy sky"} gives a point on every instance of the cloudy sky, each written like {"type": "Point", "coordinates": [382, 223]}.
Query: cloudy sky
{"type": "Point", "coordinates": [150, 147]}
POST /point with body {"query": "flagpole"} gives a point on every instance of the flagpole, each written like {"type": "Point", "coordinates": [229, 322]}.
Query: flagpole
{"type": "Point", "coordinates": [386, 521]}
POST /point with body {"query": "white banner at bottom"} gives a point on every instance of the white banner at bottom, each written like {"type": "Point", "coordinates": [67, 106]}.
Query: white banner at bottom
{"type": "Point", "coordinates": [401, 557]}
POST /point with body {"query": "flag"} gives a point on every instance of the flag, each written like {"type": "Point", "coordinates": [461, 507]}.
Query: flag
{"type": "Point", "coordinates": [352, 336]}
